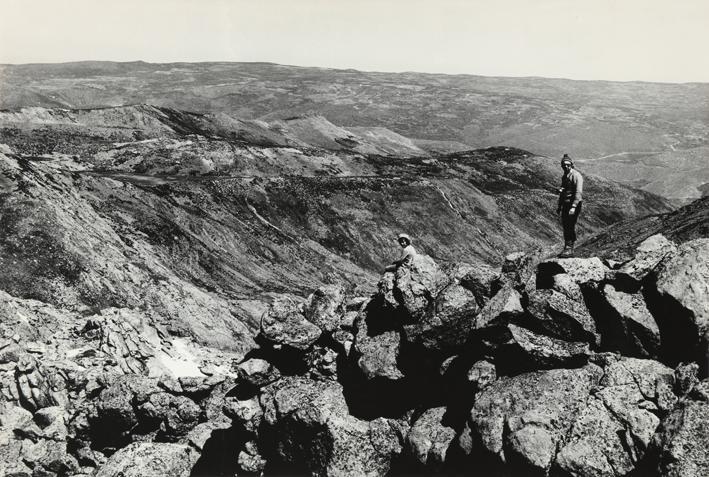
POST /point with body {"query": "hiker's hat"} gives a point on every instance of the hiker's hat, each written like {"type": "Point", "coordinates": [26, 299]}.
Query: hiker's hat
{"type": "Point", "coordinates": [567, 160]}
{"type": "Point", "coordinates": [404, 236]}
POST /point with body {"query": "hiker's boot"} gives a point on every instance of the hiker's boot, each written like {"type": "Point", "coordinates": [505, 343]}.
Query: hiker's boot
{"type": "Point", "coordinates": [568, 251]}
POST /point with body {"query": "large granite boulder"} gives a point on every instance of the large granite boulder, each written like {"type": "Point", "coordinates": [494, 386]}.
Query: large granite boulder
{"type": "Point", "coordinates": [284, 324]}
{"type": "Point", "coordinates": [247, 413]}
{"type": "Point", "coordinates": [681, 444]}
{"type": "Point", "coordinates": [115, 413]}
{"type": "Point", "coordinates": [325, 307]}
{"type": "Point", "coordinates": [257, 372]}
{"type": "Point", "coordinates": [446, 326]}
{"type": "Point", "coordinates": [629, 326]}
{"type": "Point", "coordinates": [311, 429]}
{"type": "Point", "coordinates": [378, 356]}
{"type": "Point", "coordinates": [482, 280]}
{"type": "Point", "coordinates": [648, 255]}
{"type": "Point", "coordinates": [612, 433]}
{"type": "Point", "coordinates": [505, 307]}
{"type": "Point", "coordinates": [150, 459]}
{"type": "Point", "coordinates": [582, 270]}
{"type": "Point", "coordinates": [527, 416]}
{"type": "Point", "coordinates": [481, 374]}
{"type": "Point", "coordinates": [594, 420]}
{"type": "Point", "coordinates": [34, 445]}
{"type": "Point", "coordinates": [429, 439]}
{"type": "Point", "coordinates": [176, 415]}
{"type": "Point", "coordinates": [527, 350]}
{"type": "Point", "coordinates": [416, 286]}
{"type": "Point", "coordinates": [561, 317]}
{"type": "Point", "coordinates": [519, 267]}
{"type": "Point", "coordinates": [679, 300]}
{"type": "Point", "coordinates": [250, 460]}
{"type": "Point", "coordinates": [434, 309]}
{"type": "Point", "coordinates": [34, 386]}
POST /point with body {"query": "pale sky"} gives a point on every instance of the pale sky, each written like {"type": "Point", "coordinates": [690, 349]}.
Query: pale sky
{"type": "Point", "coordinates": [651, 40]}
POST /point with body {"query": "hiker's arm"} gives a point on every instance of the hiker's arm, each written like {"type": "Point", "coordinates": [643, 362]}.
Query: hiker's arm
{"type": "Point", "coordinates": [578, 194]}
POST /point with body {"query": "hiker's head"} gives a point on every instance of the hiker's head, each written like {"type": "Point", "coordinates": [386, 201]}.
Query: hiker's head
{"type": "Point", "coordinates": [404, 240]}
{"type": "Point", "coordinates": [567, 163]}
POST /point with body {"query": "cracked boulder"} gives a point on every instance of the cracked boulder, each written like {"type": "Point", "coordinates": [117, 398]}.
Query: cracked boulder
{"type": "Point", "coordinates": [679, 299]}
{"type": "Point", "coordinates": [311, 429]}
{"type": "Point", "coordinates": [525, 418]}
{"type": "Point", "coordinates": [680, 446]}
{"type": "Point", "coordinates": [257, 372]}
{"type": "Point", "coordinates": [564, 283]}
{"type": "Point", "coordinates": [115, 416]}
{"type": "Point", "coordinates": [630, 328]}
{"type": "Point", "coordinates": [285, 325]}
{"type": "Point", "coordinates": [150, 459]}
{"type": "Point", "coordinates": [429, 439]}
{"type": "Point", "coordinates": [519, 267]}
{"type": "Point", "coordinates": [527, 350]}
{"type": "Point", "coordinates": [176, 415]}
{"type": "Point", "coordinates": [647, 256]}
{"type": "Point", "coordinates": [482, 280]}
{"type": "Point", "coordinates": [504, 308]}
{"type": "Point", "coordinates": [378, 356]}
{"type": "Point", "coordinates": [321, 362]}
{"type": "Point", "coordinates": [584, 271]}
{"type": "Point", "coordinates": [415, 286]}
{"type": "Point", "coordinates": [612, 433]}
{"type": "Point", "coordinates": [562, 317]}
{"type": "Point", "coordinates": [446, 327]}
{"type": "Point", "coordinates": [590, 421]}
{"type": "Point", "coordinates": [35, 386]}
{"type": "Point", "coordinates": [125, 335]}
{"type": "Point", "coordinates": [326, 307]}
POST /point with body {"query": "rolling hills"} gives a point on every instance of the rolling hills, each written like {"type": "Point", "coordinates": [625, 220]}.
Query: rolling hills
{"type": "Point", "coordinates": [644, 134]}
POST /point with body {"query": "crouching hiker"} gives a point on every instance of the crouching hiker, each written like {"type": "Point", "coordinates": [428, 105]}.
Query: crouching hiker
{"type": "Point", "coordinates": [407, 255]}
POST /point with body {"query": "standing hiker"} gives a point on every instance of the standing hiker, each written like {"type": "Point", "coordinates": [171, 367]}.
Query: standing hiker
{"type": "Point", "coordinates": [407, 255]}
{"type": "Point", "coordinates": [570, 201]}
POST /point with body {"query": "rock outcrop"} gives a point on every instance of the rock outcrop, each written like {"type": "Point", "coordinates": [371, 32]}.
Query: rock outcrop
{"type": "Point", "coordinates": [312, 430]}
{"type": "Point", "coordinates": [548, 368]}
{"type": "Point", "coordinates": [680, 297]}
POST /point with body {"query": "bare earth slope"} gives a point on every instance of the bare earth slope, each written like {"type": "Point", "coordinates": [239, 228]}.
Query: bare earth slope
{"type": "Point", "coordinates": [619, 240]}
{"type": "Point", "coordinates": [655, 129]}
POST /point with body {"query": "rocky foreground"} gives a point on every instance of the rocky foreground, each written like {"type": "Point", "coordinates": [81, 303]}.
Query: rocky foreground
{"type": "Point", "coordinates": [563, 367]}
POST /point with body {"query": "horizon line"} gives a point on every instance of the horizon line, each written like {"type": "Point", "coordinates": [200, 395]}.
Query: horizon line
{"type": "Point", "coordinates": [400, 72]}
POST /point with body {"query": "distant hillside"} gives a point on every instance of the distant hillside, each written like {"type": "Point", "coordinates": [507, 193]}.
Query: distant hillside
{"type": "Point", "coordinates": [600, 123]}
{"type": "Point", "coordinates": [681, 175]}
{"type": "Point", "coordinates": [619, 241]}
{"type": "Point", "coordinates": [245, 208]}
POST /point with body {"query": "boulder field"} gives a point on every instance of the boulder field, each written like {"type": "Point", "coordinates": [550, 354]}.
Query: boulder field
{"type": "Point", "coordinates": [545, 367]}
